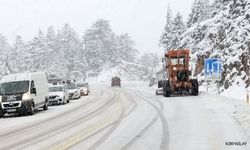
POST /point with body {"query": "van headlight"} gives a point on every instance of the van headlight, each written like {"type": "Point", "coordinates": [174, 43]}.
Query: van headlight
{"type": "Point", "coordinates": [26, 96]}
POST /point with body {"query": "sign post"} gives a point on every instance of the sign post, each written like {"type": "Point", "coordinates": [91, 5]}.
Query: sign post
{"type": "Point", "coordinates": [213, 71]}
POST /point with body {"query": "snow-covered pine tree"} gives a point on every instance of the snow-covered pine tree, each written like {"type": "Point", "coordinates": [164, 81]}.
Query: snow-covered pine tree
{"type": "Point", "coordinates": [69, 46]}
{"type": "Point", "coordinates": [125, 48]}
{"type": "Point", "coordinates": [52, 47]}
{"type": "Point", "coordinates": [149, 61]}
{"type": "Point", "coordinates": [5, 50]}
{"type": "Point", "coordinates": [17, 53]}
{"type": "Point", "coordinates": [177, 30]}
{"type": "Point", "coordinates": [200, 11]}
{"type": "Point", "coordinates": [167, 34]}
{"type": "Point", "coordinates": [99, 44]}
{"type": "Point", "coordinates": [36, 56]}
{"type": "Point", "coordinates": [4, 45]}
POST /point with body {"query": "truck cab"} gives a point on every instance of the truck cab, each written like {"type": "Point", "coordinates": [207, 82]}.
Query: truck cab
{"type": "Point", "coordinates": [178, 80]}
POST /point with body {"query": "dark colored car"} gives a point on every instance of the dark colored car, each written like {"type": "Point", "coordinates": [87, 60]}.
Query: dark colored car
{"type": "Point", "coordinates": [116, 82]}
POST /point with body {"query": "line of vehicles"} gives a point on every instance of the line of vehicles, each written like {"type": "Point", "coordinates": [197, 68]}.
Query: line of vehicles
{"type": "Point", "coordinates": [24, 93]}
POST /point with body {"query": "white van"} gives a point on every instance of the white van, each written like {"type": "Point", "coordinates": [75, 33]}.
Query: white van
{"type": "Point", "coordinates": [24, 93]}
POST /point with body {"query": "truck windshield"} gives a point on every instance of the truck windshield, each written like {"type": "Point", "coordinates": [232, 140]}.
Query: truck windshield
{"type": "Point", "coordinates": [174, 60]}
{"type": "Point", "coordinates": [71, 86]}
{"type": "Point", "coordinates": [55, 89]}
{"type": "Point", "coordinates": [16, 87]}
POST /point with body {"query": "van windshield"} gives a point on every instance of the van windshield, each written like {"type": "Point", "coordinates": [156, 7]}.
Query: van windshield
{"type": "Point", "coordinates": [17, 87]}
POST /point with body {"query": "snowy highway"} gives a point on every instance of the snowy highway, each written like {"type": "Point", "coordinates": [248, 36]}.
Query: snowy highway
{"type": "Point", "coordinates": [128, 118]}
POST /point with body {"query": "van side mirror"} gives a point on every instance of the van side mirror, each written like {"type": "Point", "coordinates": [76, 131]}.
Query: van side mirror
{"type": "Point", "coordinates": [33, 91]}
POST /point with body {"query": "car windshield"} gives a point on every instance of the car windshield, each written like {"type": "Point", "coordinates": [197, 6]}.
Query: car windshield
{"type": "Point", "coordinates": [82, 85]}
{"type": "Point", "coordinates": [16, 87]}
{"type": "Point", "coordinates": [71, 86]}
{"type": "Point", "coordinates": [55, 89]}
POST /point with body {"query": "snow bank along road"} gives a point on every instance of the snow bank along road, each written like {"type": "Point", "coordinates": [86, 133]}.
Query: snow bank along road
{"type": "Point", "coordinates": [128, 118]}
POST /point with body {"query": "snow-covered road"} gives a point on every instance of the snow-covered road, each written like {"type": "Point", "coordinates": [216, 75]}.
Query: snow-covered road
{"type": "Point", "coordinates": [129, 118]}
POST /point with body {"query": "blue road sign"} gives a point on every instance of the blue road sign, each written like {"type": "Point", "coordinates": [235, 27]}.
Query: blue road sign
{"type": "Point", "coordinates": [213, 69]}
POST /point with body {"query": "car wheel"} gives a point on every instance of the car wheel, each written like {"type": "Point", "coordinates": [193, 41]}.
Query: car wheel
{"type": "Point", "coordinates": [45, 106]}
{"type": "Point", "coordinates": [64, 101]}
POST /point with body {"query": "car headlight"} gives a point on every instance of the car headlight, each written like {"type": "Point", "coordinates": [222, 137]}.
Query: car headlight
{"type": "Point", "coordinates": [1, 98]}
{"type": "Point", "coordinates": [59, 96]}
{"type": "Point", "coordinates": [174, 68]}
{"type": "Point", "coordinates": [26, 96]}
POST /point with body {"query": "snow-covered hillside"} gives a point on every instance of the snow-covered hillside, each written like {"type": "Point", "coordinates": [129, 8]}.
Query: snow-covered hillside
{"type": "Point", "coordinates": [127, 71]}
{"type": "Point", "coordinates": [227, 36]}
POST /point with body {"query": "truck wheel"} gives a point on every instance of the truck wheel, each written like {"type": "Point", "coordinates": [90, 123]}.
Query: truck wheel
{"type": "Point", "coordinates": [195, 87]}
{"type": "Point", "coordinates": [160, 84]}
{"type": "Point", "coordinates": [45, 106]}
{"type": "Point", "coordinates": [166, 89]}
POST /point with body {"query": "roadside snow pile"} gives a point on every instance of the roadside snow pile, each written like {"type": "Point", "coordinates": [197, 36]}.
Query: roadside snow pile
{"type": "Point", "coordinates": [237, 90]}
{"type": "Point", "coordinates": [227, 36]}
{"type": "Point", "coordinates": [242, 114]}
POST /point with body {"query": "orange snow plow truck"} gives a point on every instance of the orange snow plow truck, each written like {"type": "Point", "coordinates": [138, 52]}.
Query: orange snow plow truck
{"type": "Point", "coordinates": [178, 79]}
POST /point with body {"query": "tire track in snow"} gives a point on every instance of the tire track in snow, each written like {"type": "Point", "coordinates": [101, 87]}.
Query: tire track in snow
{"type": "Point", "coordinates": [165, 133]}
{"type": "Point", "coordinates": [61, 115]}
{"type": "Point", "coordinates": [54, 130]}
{"type": "Point", "coordinates": [116, 124]}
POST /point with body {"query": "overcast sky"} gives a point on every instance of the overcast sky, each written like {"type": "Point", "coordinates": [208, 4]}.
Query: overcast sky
{"type": "Point", "coordinates": [142, 19]}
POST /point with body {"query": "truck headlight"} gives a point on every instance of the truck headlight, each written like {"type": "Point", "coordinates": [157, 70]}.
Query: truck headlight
{"type": "Point", "coordinates": [26, 96]}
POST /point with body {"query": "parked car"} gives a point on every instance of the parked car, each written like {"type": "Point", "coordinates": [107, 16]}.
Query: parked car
{"type": "Point", "coordinates": [58, 94]}
{"type": "Point", "coordinates": [24, 93]}
{"type": "Point", "coordinates": [74, 92]}
{"type": "Point", "coordinates": [84, 88]}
